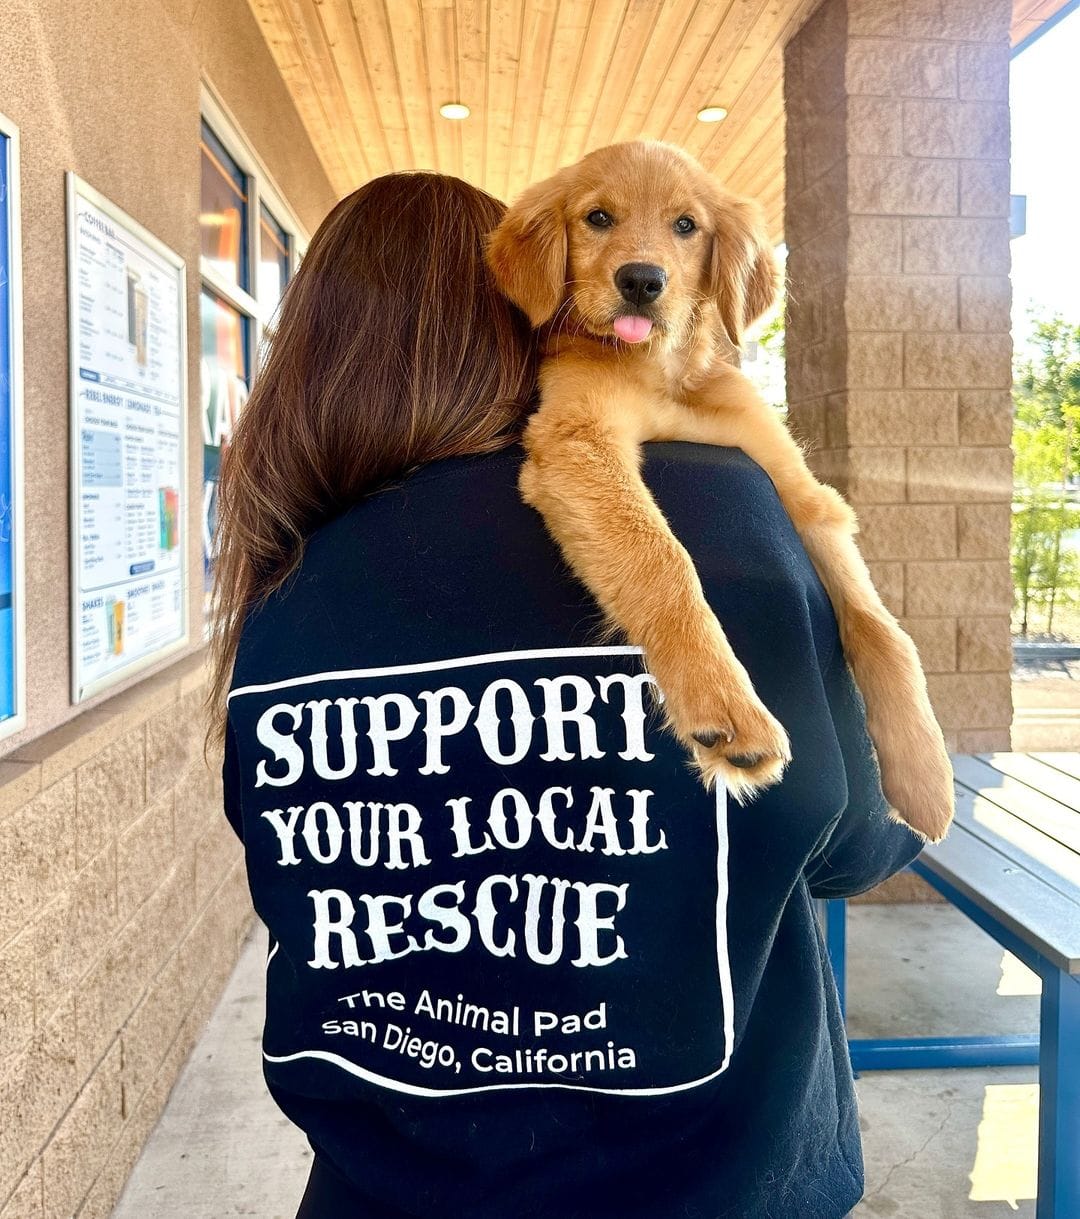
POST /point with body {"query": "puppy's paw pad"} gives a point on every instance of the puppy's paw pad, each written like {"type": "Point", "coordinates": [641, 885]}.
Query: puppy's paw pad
{"type": "Point", "coordinates": [710, 739]}
{"type": "Point", "coordinates": [753, 760]}
{"type": "Point", "coordinates": [745, 761]}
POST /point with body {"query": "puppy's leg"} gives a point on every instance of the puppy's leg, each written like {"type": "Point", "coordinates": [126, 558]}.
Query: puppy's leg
{"type": "Point", "coordinates": [916, 774]}
{"type": "Point", "coordinates": [582, 475]}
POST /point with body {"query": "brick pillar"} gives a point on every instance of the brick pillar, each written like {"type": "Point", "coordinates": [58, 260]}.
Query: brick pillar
{"type": "Point", "coordinates": [898, 344]}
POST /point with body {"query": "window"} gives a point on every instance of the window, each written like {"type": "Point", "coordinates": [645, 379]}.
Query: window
{"type": "Point", "coordinates": [250, 246]}
{"type": "Point", "coordinates": [12, 701]}
{"type": "Point", "coordinates": [275, 247]}
{"type": "Point", "coordinates": [226, 375]}
{"type": "Point", "coordinates": [223, 217]}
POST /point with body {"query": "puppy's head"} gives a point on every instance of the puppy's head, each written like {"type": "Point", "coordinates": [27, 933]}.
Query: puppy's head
{"type": "Point", "coordinates": [638, 243]}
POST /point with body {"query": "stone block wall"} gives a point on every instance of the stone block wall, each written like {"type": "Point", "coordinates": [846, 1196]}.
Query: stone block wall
{"type": "Point", "coordinates": [123, 905]}
{"type": "Point", "coordinates": [898, 344]}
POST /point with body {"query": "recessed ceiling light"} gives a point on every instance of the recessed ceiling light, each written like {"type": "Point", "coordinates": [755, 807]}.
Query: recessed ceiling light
{"type": "Point", "coordinates": [712, 114]}
{"type": "Point", "coordinates": [455, 110]}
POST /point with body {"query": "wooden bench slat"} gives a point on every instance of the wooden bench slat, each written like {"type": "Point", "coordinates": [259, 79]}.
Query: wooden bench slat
{"type": "Point", "coordinates": [1052, 818]}
{"type": "Point", "coordinates": [1027, 768]}
{"type": "Point", "coordinates": [1026, 847]}
{"type": "Point", "coordinates": [1067, 763]}
{"type": "Point", "coordinates": [1033, 911]}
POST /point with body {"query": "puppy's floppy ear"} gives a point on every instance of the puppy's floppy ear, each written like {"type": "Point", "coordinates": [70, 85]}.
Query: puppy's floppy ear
{"type": "Point", "coordinates": [744, 277]}
{"type": "Point", "coordinates": [527, 253]}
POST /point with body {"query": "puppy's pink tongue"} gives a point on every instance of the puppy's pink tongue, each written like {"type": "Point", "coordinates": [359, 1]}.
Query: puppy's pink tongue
{"type": "Point", "coordinates": [632, 329]}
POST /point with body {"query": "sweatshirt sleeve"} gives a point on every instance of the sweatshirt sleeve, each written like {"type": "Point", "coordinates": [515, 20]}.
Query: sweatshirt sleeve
{"type": "Point", "coordinates": [864, 845]}
{"type": "Point", "coordinates": [230, 777]}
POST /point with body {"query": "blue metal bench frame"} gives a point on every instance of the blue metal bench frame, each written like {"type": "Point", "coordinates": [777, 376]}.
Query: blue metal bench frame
{"type": "Point", "coordinates": [1056, 1051]}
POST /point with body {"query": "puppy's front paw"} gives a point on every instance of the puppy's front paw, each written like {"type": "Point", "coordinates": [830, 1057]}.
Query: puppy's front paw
{"type": "Point", "coordinates": [749, 753]}
{"type": "Point", "coordinates": [917, 778]}
{"type": "Point", "coordinates": [712, 707]}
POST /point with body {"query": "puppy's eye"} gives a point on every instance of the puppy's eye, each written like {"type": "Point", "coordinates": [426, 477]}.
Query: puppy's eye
{"type": "Point", "coordinates": [684, 225]}
{"type": "Point", "coordinates": [599, 219]}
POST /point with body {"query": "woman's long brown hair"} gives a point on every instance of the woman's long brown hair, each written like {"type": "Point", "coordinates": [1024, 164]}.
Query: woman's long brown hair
{"type": "Point", "coordinates": [393, 348]}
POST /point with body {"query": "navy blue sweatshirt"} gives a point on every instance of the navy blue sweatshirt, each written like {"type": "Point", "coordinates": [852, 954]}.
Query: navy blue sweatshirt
{"type": "Point", "coordinates": [521, 962]}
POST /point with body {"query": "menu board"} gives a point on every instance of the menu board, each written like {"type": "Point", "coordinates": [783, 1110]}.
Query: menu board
{"type": "Point", "coordinates": [128, 353]}
{"type": "Point", "coordinates": [12, 617]}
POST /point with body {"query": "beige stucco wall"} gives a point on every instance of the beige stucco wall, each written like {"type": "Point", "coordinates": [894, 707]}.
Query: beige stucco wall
{"type": "Point", "coordinates": [111, 91]}
{"type": "Point", "coordinates": [123, 894]}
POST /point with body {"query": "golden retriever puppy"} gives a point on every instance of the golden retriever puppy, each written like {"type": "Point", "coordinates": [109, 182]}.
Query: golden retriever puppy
{"type": "Point", "coordinates": [641, 274]}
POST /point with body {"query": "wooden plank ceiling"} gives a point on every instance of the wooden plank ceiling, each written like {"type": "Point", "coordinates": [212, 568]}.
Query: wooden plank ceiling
{"type": "Point", "coordinates": [1028, 15]}
{"type": "Point", "coordinates": [546, 80]}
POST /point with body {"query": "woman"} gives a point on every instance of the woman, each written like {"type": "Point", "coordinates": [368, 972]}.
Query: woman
{"type": "Point", "coordinates": [521, 962]}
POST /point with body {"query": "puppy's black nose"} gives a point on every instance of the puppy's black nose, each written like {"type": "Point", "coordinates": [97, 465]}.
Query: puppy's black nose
{"type": "Point", "coordinates": [640, 282]}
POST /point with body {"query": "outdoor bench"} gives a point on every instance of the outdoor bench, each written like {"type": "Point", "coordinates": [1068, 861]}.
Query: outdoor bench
{"type": "Point", "coordinates": [1011, 863]}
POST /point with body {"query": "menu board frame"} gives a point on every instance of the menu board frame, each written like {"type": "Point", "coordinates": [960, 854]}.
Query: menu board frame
{"type": "Point", "coordinates": [83, 687]}
{"type": "Point", "coordinates": [9, 132]}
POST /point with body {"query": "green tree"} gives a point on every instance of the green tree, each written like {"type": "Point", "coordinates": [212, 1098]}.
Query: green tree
{"type": "Point", "coordinates": [766, 368]}
{"type": "Point", "coordinates": [1047, 382]}
{"type": "Point", "coordinates": [1035, 526]}
{"type": "Point", "coordinates": [1046, 391]}
{"type": "Point", "coordinates": [772, 336]}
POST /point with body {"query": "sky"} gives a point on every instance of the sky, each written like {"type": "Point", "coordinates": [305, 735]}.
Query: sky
{"type": "Point", "coordinates": [1045, 103]}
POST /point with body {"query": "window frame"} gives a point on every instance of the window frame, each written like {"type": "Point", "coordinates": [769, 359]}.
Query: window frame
{"type": "Point", "coordinates": [266, 218]}
{"type": "Point", "coordinates": [262, 189]}
{"type": "Point", "coordinates": [17, 721]}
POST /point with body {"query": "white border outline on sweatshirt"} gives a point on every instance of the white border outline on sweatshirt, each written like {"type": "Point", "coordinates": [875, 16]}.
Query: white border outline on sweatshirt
{"type": "Point", "coordinates": [723, 962]}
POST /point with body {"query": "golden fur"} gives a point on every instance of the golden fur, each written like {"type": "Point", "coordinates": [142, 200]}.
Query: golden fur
{"type": "Point", "coordinates": [602, 397]}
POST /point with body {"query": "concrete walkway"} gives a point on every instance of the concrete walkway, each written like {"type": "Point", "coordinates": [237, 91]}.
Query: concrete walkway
{"type": "Point", "coordinates": [939, 1144]}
